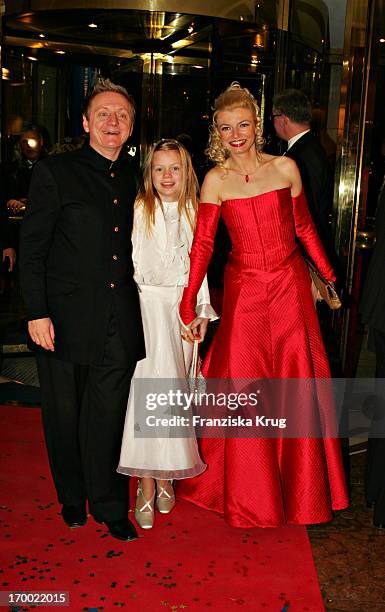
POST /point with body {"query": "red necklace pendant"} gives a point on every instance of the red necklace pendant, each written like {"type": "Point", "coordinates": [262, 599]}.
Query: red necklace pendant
{"type": "Point", "coordinates": [246, 178]}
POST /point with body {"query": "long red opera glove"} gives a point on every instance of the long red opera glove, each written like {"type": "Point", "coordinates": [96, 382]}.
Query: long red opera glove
{"type": "Point", "coordinates": [201, 251]}
{"type": "Point", "coordinates": [306, 231]}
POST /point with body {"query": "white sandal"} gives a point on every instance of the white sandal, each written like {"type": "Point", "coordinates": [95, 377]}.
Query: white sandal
{"type": "Point", "coordinates": [144, 515]}
{"type": "Point", "coordinates": [164, 500]}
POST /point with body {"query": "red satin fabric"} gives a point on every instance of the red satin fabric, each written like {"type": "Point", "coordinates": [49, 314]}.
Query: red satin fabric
{"type": "Point", "coordinates": [269, 329]}
{"type": "Point", "coordinates": [201, 251]}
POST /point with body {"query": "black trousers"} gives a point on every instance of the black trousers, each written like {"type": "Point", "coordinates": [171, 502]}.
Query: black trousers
{"type": "Point", "coordinates": [83, 409]}
{"type": "Point", "coordinates": [375, 460]}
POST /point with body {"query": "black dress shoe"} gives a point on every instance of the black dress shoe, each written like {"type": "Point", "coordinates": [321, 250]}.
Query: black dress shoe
{"type": "Point", "coordinates": [74, 516]}
{"type": "Point", "coordinates": [121, 530]}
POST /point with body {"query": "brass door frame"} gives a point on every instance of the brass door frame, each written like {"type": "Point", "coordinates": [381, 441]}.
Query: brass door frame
{"type": "Point", "coordinates": [350, 150]}
{"type": "Point", "coordinates": [282, 44]}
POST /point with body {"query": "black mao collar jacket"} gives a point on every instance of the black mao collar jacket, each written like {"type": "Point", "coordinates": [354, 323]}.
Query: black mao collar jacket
{"type": "Point", "coordinates": [76, 253]}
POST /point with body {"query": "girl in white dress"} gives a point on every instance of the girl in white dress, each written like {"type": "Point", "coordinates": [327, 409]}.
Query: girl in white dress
{"type": "Point", "coordinates": [164, 221]}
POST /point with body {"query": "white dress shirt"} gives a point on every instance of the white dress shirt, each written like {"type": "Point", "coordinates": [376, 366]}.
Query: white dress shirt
{"type": "Point", "coordinates": [294, 139]}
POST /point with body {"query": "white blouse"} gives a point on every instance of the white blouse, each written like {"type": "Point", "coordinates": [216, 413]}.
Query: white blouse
{"type": "Point", "coordinates": [162, 257]}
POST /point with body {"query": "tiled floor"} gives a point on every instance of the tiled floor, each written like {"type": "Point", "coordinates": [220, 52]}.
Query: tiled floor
{"type": "Point", "coordinates": [349, 554]}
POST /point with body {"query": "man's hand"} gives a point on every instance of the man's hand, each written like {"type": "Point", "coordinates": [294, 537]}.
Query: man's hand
{"type": "Point", "coordinates": [42, 333]}
{"type": "Point", "coordinates": [11, 254]}
{"type": "Point", "coordinates": [16, 206]}
{"type": "Point", "coordinates": [196, 330]}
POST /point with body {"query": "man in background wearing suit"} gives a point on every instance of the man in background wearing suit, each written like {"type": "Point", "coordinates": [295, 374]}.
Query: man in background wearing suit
{"type": "Point", "coordinates": [83, 309]}
{"type": "Point", "coordinates": [373, 314]}
{"type": "Point", "coordinates": [292, 118]}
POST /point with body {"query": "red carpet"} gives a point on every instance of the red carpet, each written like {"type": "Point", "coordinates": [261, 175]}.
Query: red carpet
{"type": "Point", "coordinates": [190, 561]}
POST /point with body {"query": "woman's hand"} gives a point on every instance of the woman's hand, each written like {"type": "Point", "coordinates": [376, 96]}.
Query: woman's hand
{"type": "Point", "coordinates": [196, 330]}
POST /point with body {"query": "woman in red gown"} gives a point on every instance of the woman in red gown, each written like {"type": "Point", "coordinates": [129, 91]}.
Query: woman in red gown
{"type": "Point", "coordinates": [269, 327]}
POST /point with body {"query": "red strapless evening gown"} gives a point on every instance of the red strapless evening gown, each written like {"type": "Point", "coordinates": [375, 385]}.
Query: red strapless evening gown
{"type": "Point", "coordinates": [269, 329]}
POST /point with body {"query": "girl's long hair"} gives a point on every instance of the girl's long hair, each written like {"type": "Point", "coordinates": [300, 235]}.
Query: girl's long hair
{"type": "Point", "coordinates": [233, 97]}
{"type": "Point", "coordinates": [188, 197]}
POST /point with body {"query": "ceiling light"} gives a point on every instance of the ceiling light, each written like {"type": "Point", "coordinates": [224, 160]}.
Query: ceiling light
{"type": "Point", "coordinates": [41, 35]}
{"type": "Point", "coordinates": [32, 58]}
{"type": "Point", "coordinates": [60, 52]}
{"type": "Point", "coordinates": [92, 25]}
{"type": "Point", "coordinates": [382, 40]}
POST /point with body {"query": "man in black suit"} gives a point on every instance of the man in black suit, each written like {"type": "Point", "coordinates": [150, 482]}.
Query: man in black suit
{"type": "Point", "coordinates": [373, 314]}
{"type": "Point", "coordinates": [83, 309]}
{"type": "Point", "coordinates": [292, 118]}
{"type": "Point", "coordinates": [15, 178]}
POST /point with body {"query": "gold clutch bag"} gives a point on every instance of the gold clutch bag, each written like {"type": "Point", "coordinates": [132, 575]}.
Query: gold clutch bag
{"type": "Point", "coordinates": [325, 289]}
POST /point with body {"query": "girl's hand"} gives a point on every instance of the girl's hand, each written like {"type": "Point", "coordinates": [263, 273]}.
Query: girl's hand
{"type": "Point", "coordinates": [196, 330]}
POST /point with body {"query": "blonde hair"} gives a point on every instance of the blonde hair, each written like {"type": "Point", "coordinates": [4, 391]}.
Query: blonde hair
{"type": "Point", "coordinates": [233, 97]}
{"type": "Point", "coordinates": [103, 86]}
{"type": "Point", "coordinates": [188, 197]}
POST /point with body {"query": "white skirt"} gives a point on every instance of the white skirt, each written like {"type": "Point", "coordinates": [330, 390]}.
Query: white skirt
{"type": "Point", "coordinates": [168, 357]}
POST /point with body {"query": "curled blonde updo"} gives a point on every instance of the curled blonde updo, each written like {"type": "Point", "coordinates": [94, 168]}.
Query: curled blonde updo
{"type": "Point", "coordinates": [233, 97]}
